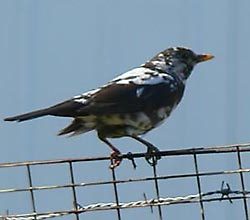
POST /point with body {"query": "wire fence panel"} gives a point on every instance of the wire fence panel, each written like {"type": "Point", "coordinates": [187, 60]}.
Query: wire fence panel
{"type": "Point", "coordinates": [72, 191]}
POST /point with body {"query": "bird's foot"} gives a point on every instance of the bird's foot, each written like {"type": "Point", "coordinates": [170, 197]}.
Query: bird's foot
{"type": "Point", "coordinates": [150, 157]}
{"type": "Point", "coordinates": [115, 159]}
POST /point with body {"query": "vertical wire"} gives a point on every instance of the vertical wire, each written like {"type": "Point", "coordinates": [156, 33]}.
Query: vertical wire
{"type": "Point", "coordinates": [199, 186]}
{"type": "Point", "coordinates": [31, 191]}
{"type": "Point", "coordinates": [157, 187]}
{"type": "Point", "coordinates": [73, 189]}
{"type": "Point", "coordinates": [242, 183]}
{"type": "Point", "coordinates": [116, 192]}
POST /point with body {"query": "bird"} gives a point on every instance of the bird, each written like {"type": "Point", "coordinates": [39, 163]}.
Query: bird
{"type": "Point", "coordinates": [131, 104]}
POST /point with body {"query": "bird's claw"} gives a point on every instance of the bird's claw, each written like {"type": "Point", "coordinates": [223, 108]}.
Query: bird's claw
{"type": "Point", "coordinates": [115, 159]}
{"type": "Point", "coordinates": [151, 157]}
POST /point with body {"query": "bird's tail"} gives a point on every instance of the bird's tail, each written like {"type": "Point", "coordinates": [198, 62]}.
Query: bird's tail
{"type": "Point", "coordinates": [78, 126]}
{"type": "Point", "coordinates": [29, 115]}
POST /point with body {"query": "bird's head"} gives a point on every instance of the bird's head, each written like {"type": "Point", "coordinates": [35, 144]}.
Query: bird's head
{"type": "Point", "coordinates": [177, 60]}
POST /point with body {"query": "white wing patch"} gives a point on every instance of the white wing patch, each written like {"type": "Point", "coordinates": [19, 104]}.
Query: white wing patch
{"type": "Point", "coordinates": [137, 72]}
{"type": "Point", "coordinates": [139, 92]}
{"type": "Point", "coordinates": [138, 76]}
{"type": "Point", "coordinates": [83, 98]}
{"type": "Point", "coordinates": [142, 76]}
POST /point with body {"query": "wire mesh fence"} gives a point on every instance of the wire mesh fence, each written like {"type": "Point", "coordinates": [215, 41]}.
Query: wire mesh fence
{"type": "Point", "coordinates": [155, 202]}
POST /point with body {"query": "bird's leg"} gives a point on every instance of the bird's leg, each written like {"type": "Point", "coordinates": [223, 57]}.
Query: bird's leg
{"type": "Point", "coordinates": [150, 157]}
{"type": "Point", "coordinates": [116, 160]}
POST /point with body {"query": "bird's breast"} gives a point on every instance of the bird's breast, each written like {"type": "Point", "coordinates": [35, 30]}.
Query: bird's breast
{"type": "Point", "coordinates": [138, 120]}
{"type": "Point", "coordinates": [134, 123]}
{"type": "Point", "coordinates": [158, 116]}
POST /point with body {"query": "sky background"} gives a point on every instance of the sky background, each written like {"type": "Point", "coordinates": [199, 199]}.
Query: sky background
{"type": "Point", "coordinates": [51, 50]}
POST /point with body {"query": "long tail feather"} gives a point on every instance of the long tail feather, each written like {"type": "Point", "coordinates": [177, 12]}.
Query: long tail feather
{"type": "Point", "coordinates": [65, 109]}
{"type": "Point", "coordinates": [29, 115]}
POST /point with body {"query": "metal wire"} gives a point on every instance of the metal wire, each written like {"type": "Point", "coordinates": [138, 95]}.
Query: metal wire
{"type": "Point", "coordinates": [73, 189]}
{"type": "Point", "coordinates": [157, 189]}
{"type": "Point", "coordinates": [224, 193]}
{"type": "Point", "coordinates": [116, 192]}
{"type": "Point", "coordinates": [31, 191]}
{"type": "Point", "coordinates": [199, 187]}
{"type": "Point", "coordinates": [242, 183]}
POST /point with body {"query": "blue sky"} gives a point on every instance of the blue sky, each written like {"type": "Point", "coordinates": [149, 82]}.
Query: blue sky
{"type": "Point", "coordinates": [53, 50]}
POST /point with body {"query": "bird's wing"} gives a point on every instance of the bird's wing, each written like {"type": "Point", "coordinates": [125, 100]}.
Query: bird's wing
{"type": "Point", "coordinates": [140, 89]}
{"type": "Point", "coordinates": [132, 93]}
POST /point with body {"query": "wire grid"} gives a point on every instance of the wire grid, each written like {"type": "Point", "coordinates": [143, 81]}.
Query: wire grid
{"type": "Point", "coordinates": [223, 193]}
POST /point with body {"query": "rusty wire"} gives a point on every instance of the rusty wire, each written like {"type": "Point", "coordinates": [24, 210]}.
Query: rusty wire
{"type": "Point", "coordinates": [224, 193]}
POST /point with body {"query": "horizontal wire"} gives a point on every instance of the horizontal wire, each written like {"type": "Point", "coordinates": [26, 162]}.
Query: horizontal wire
{"type": "Point", "coordinates": [130, 180]}
{"type": "Point", "coordinates": [200, 150]}
{"type": "Point", "coordinates": [135, 204]}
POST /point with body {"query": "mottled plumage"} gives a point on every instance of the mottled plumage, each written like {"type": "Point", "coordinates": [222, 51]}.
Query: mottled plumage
{"type": "Point", "coordinates": [130, 104]}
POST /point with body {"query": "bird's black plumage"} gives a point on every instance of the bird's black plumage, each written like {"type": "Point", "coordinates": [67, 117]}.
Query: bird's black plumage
{"type": "Point", "coordinates": [132, 103]}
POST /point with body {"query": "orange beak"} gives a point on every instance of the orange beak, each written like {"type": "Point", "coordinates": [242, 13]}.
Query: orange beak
{"type": "Point", "coordinates": [204, 57]}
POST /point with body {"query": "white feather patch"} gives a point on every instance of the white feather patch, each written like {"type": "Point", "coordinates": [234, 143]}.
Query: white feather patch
{"type": "Point", "coordinates": [81, 100]}
{"type": "Point", "coordinates": [139, 92]}
{"type": "Point", "coordinates": [137, 72]}
{"type": "Point", "coordinates": [85, 96]}
{"type": "Point", "coordinates": [142, 76]}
